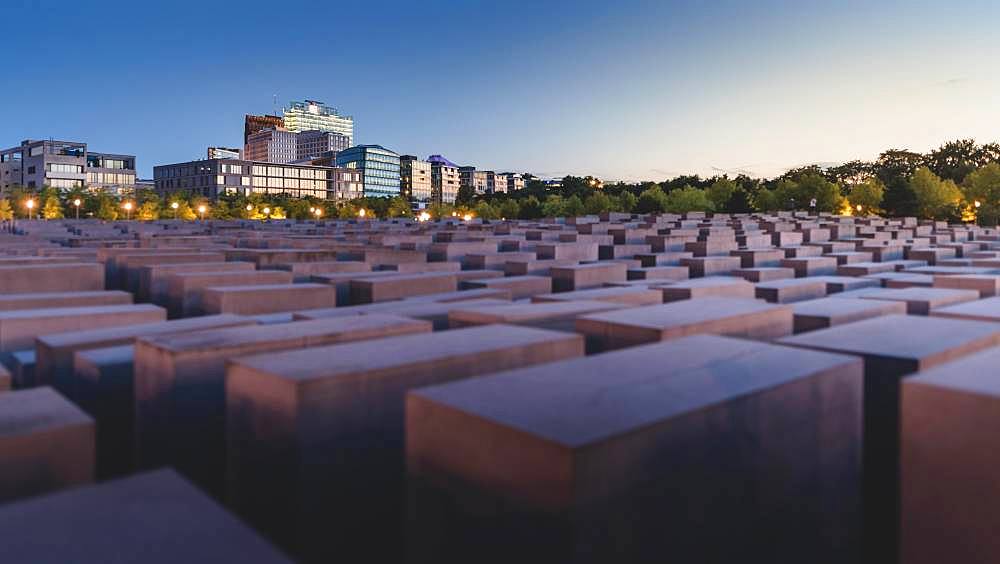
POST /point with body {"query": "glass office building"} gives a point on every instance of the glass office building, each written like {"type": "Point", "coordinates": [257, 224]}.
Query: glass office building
{"type": "Point", "coordinates": [379, 166]}
{"type": "Point", "coordinates": [310, 115]}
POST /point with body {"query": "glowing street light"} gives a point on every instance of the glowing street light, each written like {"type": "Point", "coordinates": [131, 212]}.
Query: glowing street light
{"type": "Point", "coordinates": [128, 210]}
{"type": "Point", "coordinates": [201, 210]}
{"type": "Point", "coordinates": [267, 212]}
{"type": "Point", "coordinates": [174, 206]}
{"type": "Point", "coordinates": [30, 204]}
{"type": "Point", "coordinates": [77, 203]}
{"type": "Point", "coordinates": [858, 207]}
{"type": "Point", "coordinates": [362, 213]}
{"type": "Point", "coordinates": [317, 212]}
{"type": "Point", "coordinates": [249, 207]}
{"type": "Point", "coordinates": [977, 203]}
{"type": "Point", "coordinates": [467, 217]}
{"type": "Point", "coordinates": [424, 216]}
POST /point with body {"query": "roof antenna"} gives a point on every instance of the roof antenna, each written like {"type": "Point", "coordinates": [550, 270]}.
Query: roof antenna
{"type": "Point", "coordinates": [274, 106]}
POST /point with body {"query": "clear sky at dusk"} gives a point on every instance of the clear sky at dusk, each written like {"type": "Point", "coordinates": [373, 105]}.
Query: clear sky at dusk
{"type": "Point", "coordinates": [623, 90]}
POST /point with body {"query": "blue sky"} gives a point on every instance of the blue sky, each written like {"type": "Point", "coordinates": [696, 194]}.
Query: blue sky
{"type": "Point", "coordinates": [624, 90]}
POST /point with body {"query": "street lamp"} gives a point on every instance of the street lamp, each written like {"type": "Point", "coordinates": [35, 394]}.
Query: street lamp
{"type": "Point", "coordinates": [318, 212]}
{"type": "Point", "coordinates": [30, 204]}
{"type": "Point", "coordinates": [174, 206]}
{"type": "Point", "coordinates": [858, 207]}
{"type": "Point", "coordinates": [362, 213]}
{"type": "Point", "coordinates": [201, 210]}
{"type": "Point", "coordinates": [267, 212]}
{"type": "Point", "coordinates": [467, 217]}
{"type": "Point", "coordinates": [128, 210]}
{"type": "Point", "coordinates": [77, 203]}
{"type": "Point", "coordinates": [977, 203]}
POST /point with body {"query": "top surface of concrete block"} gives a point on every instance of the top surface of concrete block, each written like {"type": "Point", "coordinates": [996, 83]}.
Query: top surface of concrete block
{"type": "Point", "coordinates": [142, 329]}
{"type": "Point", "coordinates": [975, 374]}
{"type": "Point", "coordinates": [35, 411]}
{"type": "Point", "coordinates": [370, 356]}
{"type": "Point", "coordinates": [583, 401]}
{"type": "Point", "coordinates": [685, 312]}
{"type": "Point", "coordinates": [908, 337]}
{"type": "Point", "coordinates": [78, 311]}
{"type": "Point", "coordinates": [155, 518]}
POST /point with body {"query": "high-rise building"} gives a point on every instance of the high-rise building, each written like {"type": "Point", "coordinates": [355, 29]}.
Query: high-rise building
{"type": "Point", "coordinates": [223, 153]}
{"type": "Point", "coordinates": [314, 143]}
{"type": "Point", "coordinates": [475, 179]}
{"type": "Point", "coordinates": [379, 166]}
{"type": "Point", "coordinates": [215, 177]}
{"type": "Point", "coordinates": [65, 165]}
{"type": "Point", "coordinates": [273, 145]}
{"type": "Point", "coordinates": [252, 124]}
{"type": "Point", "coordinates": [415, 179]}
{"type": "Point", "coordinates": [444, 179]}
{"type": "Point", "coordinates": [310, 115]}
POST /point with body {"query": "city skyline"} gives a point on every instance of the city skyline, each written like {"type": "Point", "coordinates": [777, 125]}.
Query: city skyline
{"type": "Point", "coordinates": [629, 92]}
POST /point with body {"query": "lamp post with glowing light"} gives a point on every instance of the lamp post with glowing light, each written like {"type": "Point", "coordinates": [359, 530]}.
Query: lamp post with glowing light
{"type": "Point", "coordinates": [317, 212]}
{"type": "Point", "coordinates": [128, 210]}
{"type": "Point", "coordinates": [77, 203]}
{"type": "Point", "coordinates": [249, 210]}
{"type": "Point", "coordinates": [267, 212]}
{"type": "Point", "coordinates": [201, 211]}
{"type": "Point", "coordinates": [30, 204]}
{"type": "Point", "coordinates": [174, 207]}
{"type": "Point", "coordinates": [362, 213]}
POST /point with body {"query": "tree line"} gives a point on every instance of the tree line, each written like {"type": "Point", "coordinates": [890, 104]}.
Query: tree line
{"type": "Point", "coordinates": [959, 181]}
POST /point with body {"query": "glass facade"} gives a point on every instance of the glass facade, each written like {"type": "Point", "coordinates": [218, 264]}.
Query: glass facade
{"type": "Point", "coordinates": [379, 167]}
{"type": "Point", "coordinates": [310, 115]}
{"type": "Point", "coordinates": [212, 178]}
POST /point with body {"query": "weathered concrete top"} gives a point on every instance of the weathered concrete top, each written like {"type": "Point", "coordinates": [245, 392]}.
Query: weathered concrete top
{"type": "Point", "coordinates": [835, 308]}
{"type": "Point", "coordinates": [47, 299]}
{"type": "Point", "coordinates": [154, 518]}
{"type": "Point", "coordinates": [910, 337]}
{"type": "Point", "coordinates": [364, 357]}
{"type": "Point", "coordinates": [216, 339]}
{"type": "Point", "coordinates": [974, 374]}
{"type": "Point", "coordinates": [685, 312]}
{"type": "Point", "coordinates": [36, 410]}
{"type": "Point", "coordinates": [511, 313]}
{"type": "Point", "coordinates": [128, 332]}
{"type": "Point", "coordinates": [76, 311]}
{"type": "Point", "coordinates": [582, 401]}
{"type": "Point", "coordinates": [987, 309]}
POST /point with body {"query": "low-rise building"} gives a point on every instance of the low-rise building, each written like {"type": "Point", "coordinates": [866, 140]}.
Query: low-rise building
{"type": "Point", "coordinates": [314, 143]}
{"type": "Point", "coordinates": [495, 184]}
{"type": "Point", "coordinates": [415, 179]}
{"type": "Point", "coordinates": [444, 179]}
{"type": "Point", "coordinates": [272, 145]}
{"type": "Point", "coordinates": [65, 165]}
{"type": "Point", "coordinates": [513, 180]}
{"type": "Point", "coordinates": [214, 177]}
{"type": "Point", "coordinates": [478, 180]}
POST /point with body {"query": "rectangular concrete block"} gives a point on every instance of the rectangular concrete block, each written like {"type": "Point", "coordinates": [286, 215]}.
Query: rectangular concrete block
{"type": "Point", "coordinates": [55, 352]}
{"type": "Point", "coordinates": [892, 346]}
{"type": "Point", "coordinates": [267, 298]}
{"type": "Point", "coordinates": [700, 267]}
{"type": "Point", "coordinates": [19, 328]}
{"type": "Point", "coordinates": [948, 461]}
{"type": "Point", "coordinates": [180, 384]}
{"type": "Point", "coordinates": [988, 285]}
{"type": "Point", "coordinates": [301, 426]}
{"type": "Point", "coordinates": [583, 276]}
{"type": "Point", "coordinates": [718, 316]}
{"type": "Point", "coordinates": [434, 312]}
{"type": "Point", "coordinates": [658, 273]}
{"type": "Point", "coordinates": [811, 266]}
{"type": "Point", "coordinates": [154, 278]}
{"type": "Point", "coordinates": [104, 389]}
{"type": "Point", "coordinates": [627, 295]}
{"type": "Point", "coordinates": [711, 287]}
{"type": "Point", "coordinates": [158, 518]}
{"type": "Point", "coordinates": [372, 290]}
{"type": "Point", "coordinates": [519, 286]}
{"type": "Point", "coordinates": [66, 277]}
{"type": "Point", "coordinates": [40, 300]}
{"type": "Point", "coordinates": [185, 289]}
{"type": "Point", "coordinates": [632, 455]}
{"type": "Point", "coordinates": [46, 444]}
{"type": "Point", "coordinates": [829, 312]}
{"type": "Point", "coordinates": [790, 290]}
{"type": "Point", "coordinates": [921, 301]}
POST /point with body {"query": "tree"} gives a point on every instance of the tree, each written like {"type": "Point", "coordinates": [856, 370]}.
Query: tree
{"type": "Point", "coordinates": [466, 195]}
{"type": "Point", "coordinates": [278, 212]}
{"type": "Point", "coordinates": [652, 200]}
{"type": "Point", "coordinates": [107, 208]}
{"type": "Point", "coordinates": [766, 201]}
{"type": "Point", "coordinates": [983, 186]}
{"type": "Point", "coordinates": [935, 198]}
{"type": "Point", "coordinates": [868, 195]}
{"type": "Point", "coordinates": [509, 209]}
{"type": "Point", "coordinates": [688, 199]}
{"type": "Point", "coordinates": [52, 208]}
{"type": "Point", "coordinates": [148, 211]}
{"type": "Point", "coordinates": [554, 206]}
{"type": "Point", "coordinates": [799, 193]}
{"type": "Point", "coordinates": [484, 210]}
{"type": "Point", "coordinates": [399, 207]}
{"type": "Point", "coordinates": [597, 203]}
{"type": "Point", "coordinates": [6, 211]}
{"type": "Point", "coordinates": [720, 192]}
{"type": "Point", "coordinates": [574, 206]}
{"type": "Point", "coordinates": [956, 159]}
{"type": "Point", "coordinates": [531, 208]}
{"type": "Point", "coordinates": [627, 202]}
